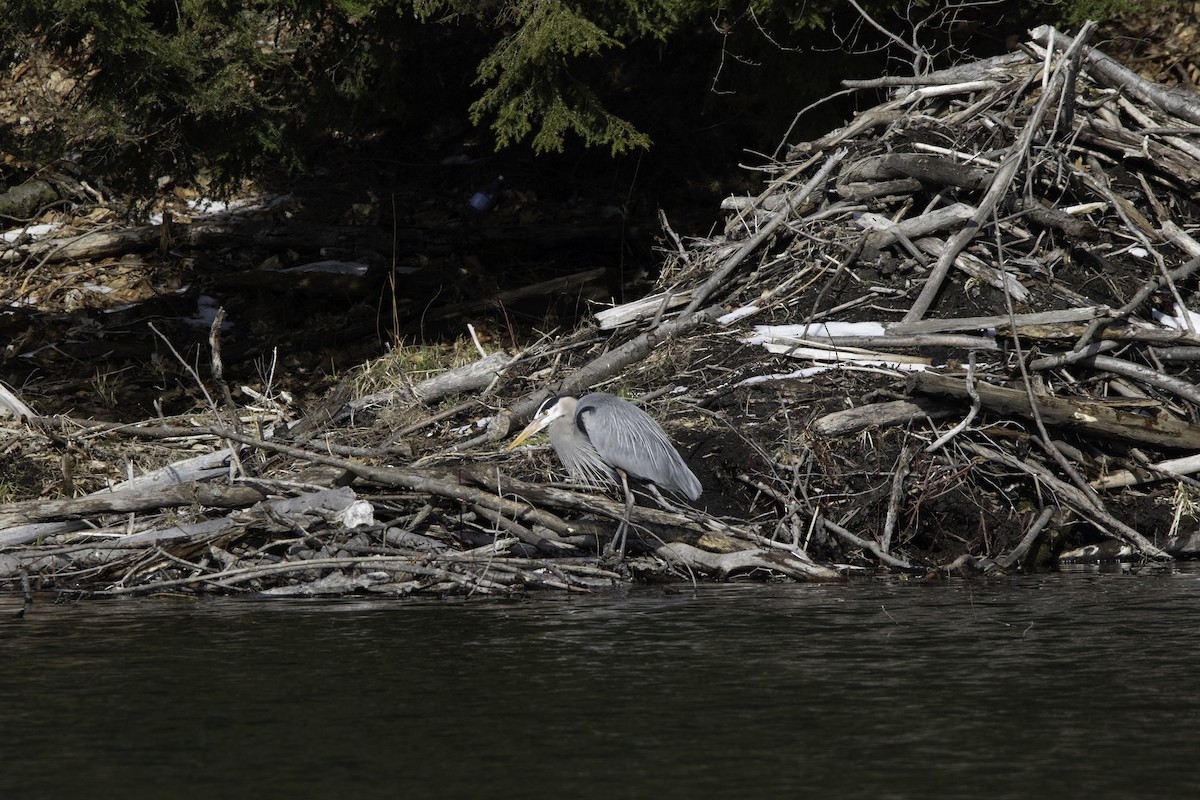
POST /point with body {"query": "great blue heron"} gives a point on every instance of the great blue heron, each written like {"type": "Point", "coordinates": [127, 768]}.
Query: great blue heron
{"type": "Point", "coordinates": [602, 439]}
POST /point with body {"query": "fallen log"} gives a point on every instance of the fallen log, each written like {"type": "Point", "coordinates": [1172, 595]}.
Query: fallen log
{"type": "Point", "coordinates": [148, 498]}
{"type": "Point", "coordinates": [1088, 417]}
{"type": "Point", "coordinates": [879, 415]}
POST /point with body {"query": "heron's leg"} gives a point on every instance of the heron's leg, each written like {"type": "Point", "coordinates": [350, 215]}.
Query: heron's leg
{"type": "Point", "coordinates": [623, 530]}
{"type": "Point", "coordinates": [628, 514]}
{"type": "Point", "coordinates": [662, 501]}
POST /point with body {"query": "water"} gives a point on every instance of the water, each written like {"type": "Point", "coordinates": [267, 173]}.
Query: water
{"type": "Point", "coordinates": [1071, 685]}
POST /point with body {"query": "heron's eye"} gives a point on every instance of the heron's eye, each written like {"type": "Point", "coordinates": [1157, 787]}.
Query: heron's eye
{"type": "Point", "coordinates": [545, 407]}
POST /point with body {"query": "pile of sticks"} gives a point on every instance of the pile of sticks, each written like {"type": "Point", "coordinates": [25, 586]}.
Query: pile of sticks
{"type": "Point", "coordinates": [953, 334]}
{"type": "Point", "coordinates": [1051, 190]}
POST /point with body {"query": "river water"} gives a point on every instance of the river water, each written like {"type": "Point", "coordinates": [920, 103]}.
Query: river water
{"type": "Point", "coordinates": [1073, 685]}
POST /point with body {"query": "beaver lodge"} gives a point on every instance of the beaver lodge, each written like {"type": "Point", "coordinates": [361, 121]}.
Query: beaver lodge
{"type": "Point", "coordinates": [954, 334]}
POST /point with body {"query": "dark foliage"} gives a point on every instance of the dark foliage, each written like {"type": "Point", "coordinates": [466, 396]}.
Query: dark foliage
{"type": "Point", "coordinates": [232, 89]}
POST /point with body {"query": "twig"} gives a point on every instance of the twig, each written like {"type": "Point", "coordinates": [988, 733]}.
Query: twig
{"type": "Point", "coordinates": [218, 367]}
{"type": "Point", "coordinates": [865, 544]}
{"type": "Point", "coordinates": [1180, 103]}
{"type": "Point", "coordinates": [1013, 159]}
{"type": "Point", "coordinates": [778, 218]}
{"type": "Point", "coordinates": [235, 461]}
{"type": "Point", "coordinates": [1035, 529]}
{"type": "Point", "coordinates": [976, 405]}
{"type": "Point", "coordinates": [1082, 502]}
{"type": "Point", "coordinates": [903, 466]}
{"type": "Point", "coordinates": [195, 375]}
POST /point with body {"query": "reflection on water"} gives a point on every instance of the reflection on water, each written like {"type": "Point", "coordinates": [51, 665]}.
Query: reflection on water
{"type": "Point", "coordinates": [1073, 685]}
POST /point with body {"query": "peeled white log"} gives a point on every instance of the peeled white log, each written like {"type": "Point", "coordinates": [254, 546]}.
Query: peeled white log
{"type": "Point", "coordinates": [645, 308]}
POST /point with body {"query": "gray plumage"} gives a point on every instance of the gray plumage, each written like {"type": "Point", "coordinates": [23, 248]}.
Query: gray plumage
{"type": "Point", "coordinates": [599, 433]}
{"type": "Point", "coordinates": [601, 439]}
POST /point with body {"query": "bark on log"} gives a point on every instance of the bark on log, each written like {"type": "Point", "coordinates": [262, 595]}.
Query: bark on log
{"type": "Point", "coordinates": [879, 415]}
{"type": "Point", "coordinates": [139, 499]}
{"type": "Point", "coordinates": [1181, 103]}
{"type": "Point", "coordinates": [936, 170]}
{"type": "Point", "coordinates": [1091, 418]}
{"type": "Point", "coordinates": [743, 561]}
{"type": "Point", "coordinates": [468, 378]}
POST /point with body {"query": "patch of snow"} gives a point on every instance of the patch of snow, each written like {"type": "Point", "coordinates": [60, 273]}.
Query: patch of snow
{"type": "Point", "coordinates": [31, 300]}
{"type": "Point", "coordinates": [1176, 321]}
{"type": "Point", "coordinates": [736, 314]}
{"type": "Point", "coordinates": [207, 207]}
{"type": "Point", "coordinates": [34, 231]}
{"type": "Point", "coordinates": [206, 312]}
{"type": "Point", "coordinates": [463, 430]}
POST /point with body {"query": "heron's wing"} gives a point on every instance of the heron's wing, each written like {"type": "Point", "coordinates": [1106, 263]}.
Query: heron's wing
{"type": "Point", "coordinates": [579, 455]}
{"type": "Point", "coordinates": [627, 438]}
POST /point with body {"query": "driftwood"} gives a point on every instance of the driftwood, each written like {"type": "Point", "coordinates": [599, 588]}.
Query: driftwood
{"type": "Point", "coordinates": [1088, 330]}
{"type": "Point", "coordinates": [879, 415]}
{"type": "Point", "coordinates": [548, 531]}
{"type": "Point", "coordinates": [645, 308]}
{"type": "Point", "coordinates": [139, 493]}
{"type": "Point", "coordinates": [1090, 417]}
{"type": "Point", "coordinates": [938, 337]}
{"type": "Point", "coordinates": [470, 377]}
{"type": "Point", "coordinates": [169, 496]}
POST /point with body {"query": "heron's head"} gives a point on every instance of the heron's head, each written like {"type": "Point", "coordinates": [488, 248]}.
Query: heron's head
{"type": "Point", "coordinates": [551, 411]}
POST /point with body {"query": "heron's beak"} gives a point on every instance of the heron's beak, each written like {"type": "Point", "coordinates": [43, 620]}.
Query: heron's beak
{"type": "Point", "coordinates": [536, 426]}
{"type": "Point", "coordinates": [541, 421]}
